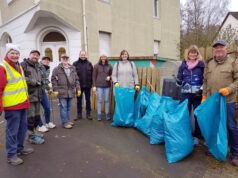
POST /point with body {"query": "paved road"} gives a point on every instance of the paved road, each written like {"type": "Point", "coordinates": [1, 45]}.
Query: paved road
{"type": "Point", "coordinates": [95, 149]}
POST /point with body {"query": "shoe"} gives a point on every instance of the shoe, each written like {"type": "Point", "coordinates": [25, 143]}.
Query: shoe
{"type": "Point", "coordinates": [71, 123]}
{"type": "Point", "coordinates": [108, 117]}
{"type": "Point", "coordinates": [43, 129]}
{"type": "Point", "coordinates": [78, 118]}
{"type": "Point", "coordinates": [195, 141]}
{"type": "Point", "coordinates": [89, 117]}
{"type": "Point", "coordinates": [234, 160]}
{"type": "Point", "coordinates": [50, 125]}
{"type": "Point", "coordinates": [38, 134]}
{"type": "Point", "coordinates": [25, 151]}
{"type": "Point", "coordinates": [99, 117]}
{"type": "Point", "coordinates": [67, 126]}
{"type": "Point", "coordinates": [14, 160]}
{"type": "Point", "coordinates": [36, 140]}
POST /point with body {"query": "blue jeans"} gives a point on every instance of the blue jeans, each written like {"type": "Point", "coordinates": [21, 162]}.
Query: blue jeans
{"type": "Point", "coordinates": [100, 93]}
{"type": "Point", "coordinates": [232, 128]}
{"type": "Point", "coordinates": [87, 92]}
{"type": "Point", "coordinates": [193, 101]}
{"type": "Point", "coordinates": [46, 105]}
{"type": "Point", "coordinates": [15, 131]}
{"type": "Point", "coordinates": [65, 105]}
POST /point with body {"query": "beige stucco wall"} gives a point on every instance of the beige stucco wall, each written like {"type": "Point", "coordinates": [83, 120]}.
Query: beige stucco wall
{"type": "Point", "coordinates": [14, 9]}
{"type": "Point", "coordinates": [130, 22]}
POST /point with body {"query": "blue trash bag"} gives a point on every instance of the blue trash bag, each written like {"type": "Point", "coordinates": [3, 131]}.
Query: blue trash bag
{"type": "Point", "coordinates": [157, 125]}
{"type": "Point", "coordinates": [141, 103]}
{"type": "Point", "coordinates": [124, 109]}
{"type": "Point", "coordinates": [178, 134]}
{"type": "Point", "coordinates": [144, 123]}
{"type": "Point", "coordinates": [211, 116]}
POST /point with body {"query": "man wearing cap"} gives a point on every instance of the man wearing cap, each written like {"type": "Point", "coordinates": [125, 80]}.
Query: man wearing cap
{"type": "Point", "coordinates": [14, 101]}
{"type": "Point", "coordinates": [34, 79]}
{"type": "Point", "coordinates": [65, 84]}
{"type": "Point", "coordinates": [221, 74]}
{"type": "Point", "coordinates": [45, 68]}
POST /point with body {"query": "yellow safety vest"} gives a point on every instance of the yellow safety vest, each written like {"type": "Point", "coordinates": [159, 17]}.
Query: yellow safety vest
{"type": "Point", "coordinates": [15, 92]}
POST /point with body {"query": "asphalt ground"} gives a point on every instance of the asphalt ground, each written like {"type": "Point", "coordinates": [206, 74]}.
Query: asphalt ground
{"type": "Point", "coordinates": [94, 149]}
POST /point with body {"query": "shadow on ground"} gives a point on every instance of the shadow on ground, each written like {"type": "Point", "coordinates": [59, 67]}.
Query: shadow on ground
{"type": "Point", "coordinates": [95, 149]}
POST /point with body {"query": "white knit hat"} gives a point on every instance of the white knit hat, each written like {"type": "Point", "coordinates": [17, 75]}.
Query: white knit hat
{"type": "Point", "coordinates": [11, 46]}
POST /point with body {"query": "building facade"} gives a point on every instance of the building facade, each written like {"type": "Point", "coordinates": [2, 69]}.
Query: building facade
{"type": "Point", "coordinates": [143, 27]}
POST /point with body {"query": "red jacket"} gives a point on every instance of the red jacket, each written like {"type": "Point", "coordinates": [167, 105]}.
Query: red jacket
{"type": "Point", "coordinates": [3, 83]}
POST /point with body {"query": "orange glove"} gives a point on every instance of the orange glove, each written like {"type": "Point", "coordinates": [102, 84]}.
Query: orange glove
{"type": "Point", "coordinates": [224, 91]}
{"type": "Point", "coordinates": [203, 99]}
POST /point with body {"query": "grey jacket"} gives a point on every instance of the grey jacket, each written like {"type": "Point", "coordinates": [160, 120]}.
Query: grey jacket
{"type": "Point", "coordinates": [125, 73]}
{"type": "Point", "coordinates": [46, 72]}
{"type": "Point", "coordinates": [66, 86]}
{"type": "Point", "coordinates": [34, 79]}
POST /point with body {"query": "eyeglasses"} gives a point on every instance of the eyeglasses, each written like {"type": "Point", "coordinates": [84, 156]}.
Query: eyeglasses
{"type": "Point", "coordinates": [65, 58]}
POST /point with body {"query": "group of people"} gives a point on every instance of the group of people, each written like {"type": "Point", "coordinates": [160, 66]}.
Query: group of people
{"type": "Point", "coordinates": [24, 88]}
{"type": "Point", "coordinates": [199, 80]}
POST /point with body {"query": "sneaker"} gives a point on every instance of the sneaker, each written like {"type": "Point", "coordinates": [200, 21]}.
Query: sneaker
{"type": "Point", "coordinates": [71, 123]}
{"type": "Point", "coordinates": [50, 125]}
{"type": "Point", "coordinates": [79, 117]}
{"type": "Point", "coordinates": [195, 141]}
{"type": "Point", "coordinates": [14, 160]}
{"type": "Point", "coordinates": [67, 126]}
{"type": "Point", "coordinates": [99, 117]}
{"type": "Point", "coordinates": [38, 134]}
{"type": "Point", "coordinates": [43, 129]}
{"type": "Point", "coordinates": [89, 117]}
{"type": "Point", "coordinates": [36, 140]}
{"type": "Point", "coordinates": [108, 117]}
{"type": "Point", "coordinates": [234, 160]}
{"type": "Point", "coordinates": [25, 151]}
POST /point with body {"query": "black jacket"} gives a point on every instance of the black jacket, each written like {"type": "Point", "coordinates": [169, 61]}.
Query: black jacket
{"type": "Point", "coordinates": [84, 69]}
{"type": "Point", "coordinates": [34, 79]}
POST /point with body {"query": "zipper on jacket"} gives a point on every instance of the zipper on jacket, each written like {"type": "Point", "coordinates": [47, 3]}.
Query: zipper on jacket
{"type": "Point", "coordinates": [103, 75]}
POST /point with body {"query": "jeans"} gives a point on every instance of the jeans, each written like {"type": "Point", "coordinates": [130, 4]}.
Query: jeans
{"type": "Point", "coordinates": [193, 100]}
{"type": "Point", "coordinates": [33, 115]}
{"type": "Point", "coordinates": [65, 105]}
{"type": "Point", "coordinates": [46, 105]}
{"type": "Point", "coordinates": [87, 92]}
{"type": "Point", "coordinates": [232, 128]}
{"type": "Point", "coordinates": [15, 131]}
{"type": "Point", "coordinates": [100, 93]}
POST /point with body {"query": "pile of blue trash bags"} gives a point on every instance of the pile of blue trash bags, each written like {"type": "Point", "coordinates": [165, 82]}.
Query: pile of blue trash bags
{"type": "Point", "coordinates": [165, 120]}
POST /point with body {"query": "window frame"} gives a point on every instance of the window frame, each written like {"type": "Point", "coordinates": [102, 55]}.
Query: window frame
{"type": "Point", "coordinates": [156, 9]}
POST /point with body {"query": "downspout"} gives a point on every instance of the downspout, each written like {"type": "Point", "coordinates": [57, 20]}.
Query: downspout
{"type": "Point", "coordinates": [85, 28]}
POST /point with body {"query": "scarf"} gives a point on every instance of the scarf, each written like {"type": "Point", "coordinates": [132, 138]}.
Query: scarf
{"type": "Point", "coordinates": [192, 64]}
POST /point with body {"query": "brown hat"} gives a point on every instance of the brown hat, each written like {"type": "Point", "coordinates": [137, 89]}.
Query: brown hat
{"type": "Point", "coordinates": [45, 58]}
{"type": "Point", "coordinates": [64, 56]}
{"type": "Point", "coordinates": [35, 51]}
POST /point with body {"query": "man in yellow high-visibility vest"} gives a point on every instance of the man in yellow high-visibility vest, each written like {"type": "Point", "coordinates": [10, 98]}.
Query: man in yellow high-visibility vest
{"type": "Point", "coordinates": [14, 102]}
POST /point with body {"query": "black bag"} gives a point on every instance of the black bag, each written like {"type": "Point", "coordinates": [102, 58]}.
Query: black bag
{"type": "Point", "coordinates": [171, 89]}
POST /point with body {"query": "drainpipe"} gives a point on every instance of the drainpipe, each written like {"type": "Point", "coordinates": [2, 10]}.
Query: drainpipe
{"type": "Point", "coordinates": [85, 28]}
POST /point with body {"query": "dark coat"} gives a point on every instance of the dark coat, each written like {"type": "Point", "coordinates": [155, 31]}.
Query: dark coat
{"type": "Point", "coordinates": [84, 70]}
{"type": "Point", "coordinates": [100, 73]}
{"type": "Point", "coordinates": [191, 81]}
{"type": "Point", "coordinates": [34, 79]}
{"type": "Point", "coordinates": [66, 86]}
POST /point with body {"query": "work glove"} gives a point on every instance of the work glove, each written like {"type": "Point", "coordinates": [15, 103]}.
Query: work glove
{"type": "Point", "coordinates": [137, 87]}
{"type": "Point", "coordinates": [224, 91]}
{"type": "Point", "coordinates": [116, 84]}
{"type": "Point", "coordinates": [56, 94]}
{"type": "Point", "coordinates": [78, 93]}
{"type": "Point", "coordinates": [108, 78]}
{"type": "Point", "coordinates": [94, 89]}
{"type": "Point", "coordinates": [203, 99]}
{"type": "Point", "coordinates": [49, 92]}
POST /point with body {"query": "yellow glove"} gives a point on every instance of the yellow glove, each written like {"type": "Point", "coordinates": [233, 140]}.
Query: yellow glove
{"type": "Point", "coordinates": [137, 87]}
{"type": "Point", "coordinates": [203, 99]}
{"type": "Point", "coordinates": [224, 91]}
{"type": "Point", "coordinates": [56, 94]}
{"type": "Point", "coordinates": [116, 84]}
{"type": "Point", "coordinates": [94, 89]}
{"type": "Point", "coordinates": [49, 92]}
{"type": "Point", "coordinates": [78, 93]}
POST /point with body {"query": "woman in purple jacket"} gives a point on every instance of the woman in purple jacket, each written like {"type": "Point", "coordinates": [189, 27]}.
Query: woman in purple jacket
{"type": "Point", "coordinates": [190, 79]}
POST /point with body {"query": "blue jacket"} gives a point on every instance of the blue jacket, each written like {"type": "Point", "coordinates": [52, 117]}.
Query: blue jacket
{"type": "Point", "coordinates": [190, 80]}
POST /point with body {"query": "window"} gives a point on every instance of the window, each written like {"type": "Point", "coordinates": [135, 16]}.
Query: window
{"type": "Point", "coordinates": [104, 43]}
{"type": "Point", "coordinates": [48, 53]}
{"type": "Point", "coordinates": [61, 51]}
{"type": "Point", "coordinates": [156, 8]}
{"type": "Point", "coordinates": [156, 48]}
